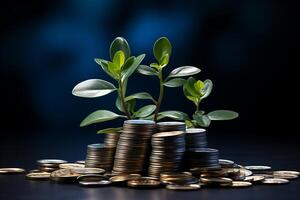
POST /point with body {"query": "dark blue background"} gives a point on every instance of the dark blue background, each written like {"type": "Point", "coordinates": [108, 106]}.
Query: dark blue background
{"type": "Point", "coordinates": [48, 46]}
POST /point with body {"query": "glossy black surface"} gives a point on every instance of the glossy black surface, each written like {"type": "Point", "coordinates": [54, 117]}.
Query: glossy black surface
{"type": "Point", "coordinates": [244, 149]}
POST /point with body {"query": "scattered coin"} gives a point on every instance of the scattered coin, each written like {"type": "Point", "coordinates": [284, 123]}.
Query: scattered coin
{"type": "Point", "coordinates": [226, 163]}
{"type": "Point", "coordinates": [144, 182]}
{"type": "Point", "coordinates": [216, 181]}
{"type": "Point", "coordinates": [241, 184]}
{"type": "Point", "coordinates": [93, 180]}
{"type": "Point", "coordinates": [259, 169]}
{"type": "Point", "coordinates": [286, 172]}
{"type": "Point", "coordinates": [95, 183]}
{"type": "Point", "coordinates": [11, 170]}
{"type": "Point", "coordinates": [275, 181]}
{"type": "Point", "coordinates": [286, 176]}
{"type": "Point", "coordinates": [124, 177]}
{"type": "Point", "coordinates": [184, 187]}
{"type": "Point", "coordinates": [70, 165]}
{"type": "Point", "coordinates": [254, 178]}
{"type": "Point", "coordinates": [80, 162]}
{"type": "Point", "coordinates": [38, 175]}
{"type": "Point", "coordinates": [50, 162]}
{"type": "Point", "coordinates": [64, 175]}
{"type": "Point", "coordinates": [81, 170]}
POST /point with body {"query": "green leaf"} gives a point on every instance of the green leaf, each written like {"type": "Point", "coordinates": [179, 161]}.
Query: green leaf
{"type": "Point", "coordinates": [140, 95]}
{"type": "Point", "coordinates": [119, 44]}
{"type": "Point", "coordinates": [190, 92]}
{"type": "Point", "coordinates": [184, 71]}
{"type": "Point", "coordinates": [189, 124]}
{"type": "Point", "coordinates": [201, 120]}
{"type": "Point", "coordinates": [207, 88]}
{"type": "Point", "coordinates": [118, 104]}
{"type": "Point", "coordinates": [110, 130]}
{"type": "Point", "coordinates": [173, 114]}
{"type": "Point", "coordinates": [222, 115]}
{"type": "Point", "coordinates": [176, 82]}
{"type": "Point", "coordinates": [93, 88]}
{"type": "Point", "coordinates": [130, 105]}
{"type": "Point", "coordinates": [164, 61]}
{"type": "Point", "coordinates": [119, 58]}
{"type": "Point", "coordinates": [130, 66]}
{"type": "Point", "coordinates": [161, 47]}
{"type": "Point", "coordinates": [99, 116]}
{"type": "Point", "coordinates": [155, 66]}
{"type": "Point", "coordinates": [104, 66]}
{"type": "Point", "coordinates": [114, 69]}
{"type": "Point", "coordinates": [146, 70]}
{"type": "Point", "coordinates": [145, 111]}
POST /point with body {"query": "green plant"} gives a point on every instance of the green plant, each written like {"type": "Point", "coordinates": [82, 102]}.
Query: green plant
{"type": "Point", "coordinates": [196, 91]}
{"type": "Point", "coordinates": [120, 68]}
{"type": "Point", "coordinates": [162, 51]}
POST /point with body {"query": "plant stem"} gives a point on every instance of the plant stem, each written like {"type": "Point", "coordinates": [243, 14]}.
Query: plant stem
{"type": "Point", "coordinates": [122, 98]}
{"type": "Point", "coordinates": [161, 94]}
{"type": "Point", "coordinates": [197, 107]}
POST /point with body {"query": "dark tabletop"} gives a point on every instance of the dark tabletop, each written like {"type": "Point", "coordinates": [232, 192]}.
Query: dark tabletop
{"type": "Point", "coordinates": [247, 149]}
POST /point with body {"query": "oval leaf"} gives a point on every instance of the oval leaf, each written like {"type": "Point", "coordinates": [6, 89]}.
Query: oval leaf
{"type": "Point", "coordinates": [206, 90]}
{"type": "Point", "coordinates": [140, 95]}
{"type": "Point", "coordinates": [110, 130]}
{"type": "Point", "coordinates": [184, 71]}
{"type": "Point", "coordinates": [104, 66]}
{"type": "Point", "coordinates": [119, 58]}
{"type": "Point", "coordinates": [202, 120]}
{"type": "Point", "coordinates": [119, 44]}
{"type": "Point", "coordinates": [130, 67]}
{"type": "Point", "coordinates": [173, 114]}
{"type": "Point", "coordinates": [145, 111]}
{"type": "Point", "coordinates": [176, 82]}
{"type": "Point", "coordinates": [162, 47]}
{"type": "Point", "coordinates": [146, 70]}
{"type": "Point", "coordinates": [93, 88]}
{"type": "Point", "coordinates": [99, 116]}
{"type": "Point", "coordinates": [222, 115]}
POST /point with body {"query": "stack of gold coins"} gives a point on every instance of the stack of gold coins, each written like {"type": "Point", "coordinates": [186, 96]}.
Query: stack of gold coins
{"type": "Point", "coordinates": [133, 146]}
{"type": "Point", "coordinates": [100, 156]}
{"type": "Point", "coordinates": [167, 152]}
{"type": "Point", "coordinates": [111, 139]}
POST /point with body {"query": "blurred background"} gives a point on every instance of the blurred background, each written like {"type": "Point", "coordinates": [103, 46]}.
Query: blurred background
{"type": "Point", "coordinates": [47, 47]}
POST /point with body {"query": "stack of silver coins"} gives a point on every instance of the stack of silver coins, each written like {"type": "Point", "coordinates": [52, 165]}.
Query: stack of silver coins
{"type": "Point", "coordinates": [195, 138]}
{"type": "Point", "coordinates": [167, 152]}
{"type": "Point", "coordinates": [100, 156]}
{"type": "Point", "coordinates": [170, 126]}
{"type": "Point", "coordinates": [111, 139]}
{"type": "Point", "coordinates": [134, 146]}
{"type": "Point", "coordinates": [203, 158]}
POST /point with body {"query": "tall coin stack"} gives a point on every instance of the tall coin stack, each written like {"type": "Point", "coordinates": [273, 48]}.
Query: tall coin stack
{"type": "Point", "coordinates": [167, 152]}
{"type": "Point", "coordinates": [133, 146]}
{"type": "Point", "coordinates": [203, 158]}
{"type": "Point", "coordinates": [100, 156]}
{"type": "Point", "coordinates": [170, 126]}
{"type": "Point", "coordinates": [195, 138]}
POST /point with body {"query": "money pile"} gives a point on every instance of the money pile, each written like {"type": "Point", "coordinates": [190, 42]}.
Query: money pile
{"type": "Point", "coordinates": [111, 139]}
{"type": "Point", "coordinates": [133, 146]}
{"type": "Point", "coordinates": [100, 156]}
{"type": "Point", "coordinates": [195, 138]}
{"type": "Point", "coordinates": [167, 152]}
{"type": "Point", "coordinates": [203, 158]}
{"type": "Point", "coordinates": [170, 126]}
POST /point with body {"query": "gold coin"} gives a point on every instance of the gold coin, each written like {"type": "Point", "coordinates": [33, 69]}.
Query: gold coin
{"type": "Point", "coordinates": [11, 170]}
{"type": "Point", "coordinates": [241, 184]}
{"type": "Point", "coordinates": [82, 170]}
{"type": "Point", "coordinates": [216, 181]}
{"type": "Point", "coordinates": [184, 187]}
{"type": "Point", "coordinates": [246, 172]}
{"type": "Point", "coordinates": [275, 181]}
{"type": "Point", "coordinates": [167, 134]}
{"type": "Point", "coordinates": [124, 177]}
{"type": "Point", "coordinates": [95, 183]}
{"type": "Point", "coordinates": [258, 168]}
{"type": "Point", "coordinates": [38, 175]}
{"type": "Point", "coordinates": [144, 182]}
{"type": "Point", "coordinates": [286, 172]}
{"type": "Point", "coordinates": [64, 175]}
{"type": "Point", "coordinates": [71, 165]}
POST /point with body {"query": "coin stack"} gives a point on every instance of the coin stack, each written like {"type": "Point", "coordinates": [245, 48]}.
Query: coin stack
{"type": "Point", "coordinates": [133, 146]}
{"type": "Point", "coordinates": [170, 126]}
{"type": "Point", "coordinates": [111, 139]}
{"type": "Point", "coordinates": [100, 156]}
{"type": "Point", "coordinates": [203, 158]}
{"type": "Point", "coordinates": [195, 138]}
{"type": "Point", "coordinates": [167, 152]}
{"type": "Point", "coordinates": [49, 165]}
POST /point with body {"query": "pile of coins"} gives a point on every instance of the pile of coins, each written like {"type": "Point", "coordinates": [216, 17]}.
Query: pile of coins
{"type": "Point", "coordinates": [133, 146]}
{"type": "Point", "coordinates": [100, 156]}
{"type": "Point", "coordinates": [195, 138]}
{"type": "Point", "coordinates": [167, 152]}
{"type": "Point", "coordinates": [203, 158]}
{"type": "Point", "coordinates": [170, 126]}
{"type": "Point", "coordinates": [49, 165]}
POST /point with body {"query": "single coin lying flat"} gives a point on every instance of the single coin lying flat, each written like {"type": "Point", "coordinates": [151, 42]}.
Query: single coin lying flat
{"type": "Point", "coordinates": [275, 181]}
{"type": "Point", "coordinates": [11, 170]}
{"type": "Point", "coordinates": [184, 187]}
{"type": "Point", "coordinates": [38, 175]}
